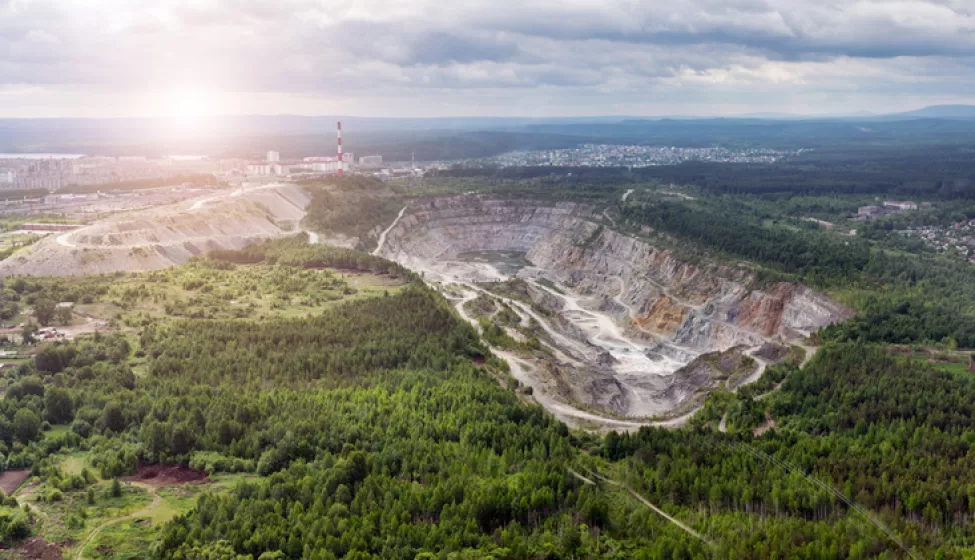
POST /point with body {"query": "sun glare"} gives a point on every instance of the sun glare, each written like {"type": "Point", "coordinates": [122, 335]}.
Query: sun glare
{"type": "Point", "coordinates": [188, 104]}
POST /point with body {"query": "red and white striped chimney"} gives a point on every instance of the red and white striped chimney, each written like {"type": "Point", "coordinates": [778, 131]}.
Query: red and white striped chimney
{"type": "Point", "coordinates": [340, 148]}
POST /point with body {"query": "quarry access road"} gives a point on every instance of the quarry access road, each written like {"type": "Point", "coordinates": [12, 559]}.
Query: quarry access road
{"type": "Point", "coordinates": [197, 205]}
{"type": "Point", "coordinates": [618, 298]}
{"type": "Point", "coordinates": [523, 372]}
{"type": "Point", "coordinates": [382, 236]}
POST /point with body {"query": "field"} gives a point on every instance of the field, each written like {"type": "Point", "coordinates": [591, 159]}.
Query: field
{"type": "Point", "coordinates": [92, 523]}
{"type": "Point", "coordinates": [200, 290]}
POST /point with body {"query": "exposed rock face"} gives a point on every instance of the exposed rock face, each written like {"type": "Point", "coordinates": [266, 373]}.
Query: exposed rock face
{"type": "Point", "coordinates": [664, 316]}
{"type": "Point", "coordinates": [165, 236]}
{"type": "Point", "coordinates": [709, 371]}
{"type": "Point", "coordinates": [789, 310]}
{"type": "Point", "coordinates": [773, 352]}
{"type": "Point", "coordinates": [707, 307]}
{"type": "Point", "coordinates": [666, 311]}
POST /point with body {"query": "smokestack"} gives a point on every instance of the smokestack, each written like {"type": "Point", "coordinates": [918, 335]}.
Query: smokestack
{"type": "Point", "coordinates": [340, 148]}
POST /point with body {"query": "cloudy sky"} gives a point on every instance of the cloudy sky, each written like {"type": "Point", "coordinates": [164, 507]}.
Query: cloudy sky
{"type": "Point", "coordinates": [482, 57]}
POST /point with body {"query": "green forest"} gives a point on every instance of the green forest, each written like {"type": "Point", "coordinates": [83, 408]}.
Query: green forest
{"type": "Point", "coordinates": [380, 426]}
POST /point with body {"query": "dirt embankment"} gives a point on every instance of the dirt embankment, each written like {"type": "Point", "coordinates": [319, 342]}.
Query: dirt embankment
{"type": "Point", "coordinates": [11, 480]}
{"type": "Point", "coordinates": [166, 235]}
{"type": "Point", "coordinates": [36, 548]}
{"type": "Point", "coordinates": [162, 475]}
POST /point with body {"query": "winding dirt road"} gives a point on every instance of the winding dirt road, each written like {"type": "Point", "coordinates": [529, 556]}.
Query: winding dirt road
{"type": "Point", "coordinates": [382, 236]}
{"type": "Point", "coordinates": [523, 371]}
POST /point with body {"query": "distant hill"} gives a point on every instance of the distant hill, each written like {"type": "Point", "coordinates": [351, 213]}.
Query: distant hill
{"type": "Point", "coordinates": [940, 112]}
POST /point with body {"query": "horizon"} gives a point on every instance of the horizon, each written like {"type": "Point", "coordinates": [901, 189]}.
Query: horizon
{"type": "Point", "coordinates": [758, 115]}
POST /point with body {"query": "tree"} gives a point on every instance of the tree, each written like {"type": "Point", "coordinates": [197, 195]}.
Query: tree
{"type": "Point", "coordinates": [116, 488]}
{"type": "Point", "coordinates": [44, 310]}
{"type": "Point", "coordinates": [112, 417]}
{"type": "Point", "coordinates": [58, 406]}
{"type": "Point", "coordinates": [26, 425]}
{"type": "Point", "coordinates": [63, 315]}
{"type": "Point", "coordinates": [30, 329]}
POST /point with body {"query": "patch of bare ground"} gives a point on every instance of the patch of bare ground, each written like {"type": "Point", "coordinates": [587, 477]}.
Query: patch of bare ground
{"type": "Point", "coordinates": [10, 481]}
{"type": "Point", "coordinates": [766, 426]}
{"type": "Point", "coordinates": [36, 548]}
{"type": "Point", "coordinates": [162, 475]}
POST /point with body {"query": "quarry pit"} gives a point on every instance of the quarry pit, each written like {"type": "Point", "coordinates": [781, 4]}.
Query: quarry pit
{"type": "Point", "coordinates": [629, 334]}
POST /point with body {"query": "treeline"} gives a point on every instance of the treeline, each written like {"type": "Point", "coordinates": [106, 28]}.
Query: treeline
{"type": "Point", "coordinates": [806, 254]}
{"type": "Point", "coordinates": [296, 251]}
{"type": "Point", "coordinates": [890, 172]}
{"type": "Point", "coordinates": [413, 329]}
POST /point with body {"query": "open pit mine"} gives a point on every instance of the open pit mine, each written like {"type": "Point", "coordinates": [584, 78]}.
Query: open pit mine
{"type": "Point", "coordinates": [166, 235]}
{"type": "Point", "coordinates": [632, 335]}
{"type": "Point", "coordinates": [628, 334]}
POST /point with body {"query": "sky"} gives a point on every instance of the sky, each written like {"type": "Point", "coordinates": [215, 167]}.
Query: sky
{"type": "Point", "coordinates": [530, 58]}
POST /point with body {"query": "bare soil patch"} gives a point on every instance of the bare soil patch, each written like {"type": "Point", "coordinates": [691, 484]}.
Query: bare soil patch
{"type": "Point", "coordinates": [11, 480]}
{"type": "Point", "coordinates": [36, 548]}
{"type": "Point", "coordinates": [768, 425]}
{"type": "Point", "coordinates": [161, 475]}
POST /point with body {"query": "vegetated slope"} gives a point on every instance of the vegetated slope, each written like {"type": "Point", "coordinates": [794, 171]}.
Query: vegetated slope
{"type": "Point", "coordinates": [352, 209]}
{"type": "Point", "coordinates": [160, 237]}
{"type": "Point", "coordinates": [374, 433]}
{"type": "Point", "coordinates": [892, 435]}
{"type": "Point", "coordinates": [377, 433]}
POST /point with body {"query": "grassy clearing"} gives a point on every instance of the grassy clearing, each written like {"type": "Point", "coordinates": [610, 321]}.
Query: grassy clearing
{"type": "Point", "coordinates": [133, 537]}
{"type": "Point", "coordinates": [120, 527]}
{"type": "Point", "coordinates": [71, 519]}
{"type": "Point", "coordinates": [204, 290]}
{"type": "Point", "coordinates": [959, 368]}
{"type": "Point", "coordinates": [954, 362]}
{"type": "Point", "coordinates": [74, 463]}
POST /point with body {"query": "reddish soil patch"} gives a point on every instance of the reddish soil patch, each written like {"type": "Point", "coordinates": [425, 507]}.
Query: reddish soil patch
{"type": "Point", "coordinates": [11, 480]}
{"type": "Point", "coordinates": [39, 549]}
{"type": "Point", "coordinates": [768, 425]}
{"type": "Point", "coordinates": [167, 474]}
